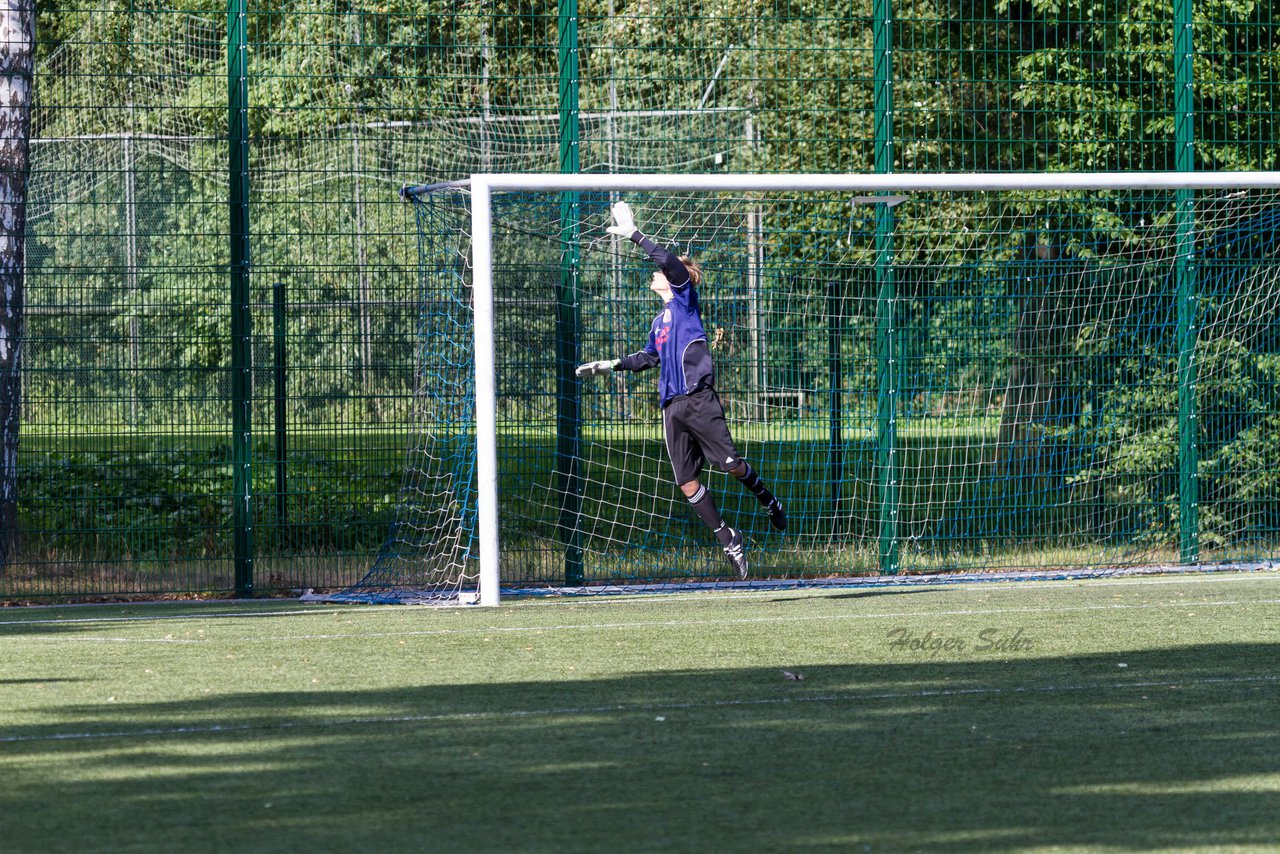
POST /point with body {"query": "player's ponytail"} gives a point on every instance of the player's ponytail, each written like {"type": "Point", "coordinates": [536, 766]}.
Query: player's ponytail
{"type": "Point", "coordinates": [695, 271]}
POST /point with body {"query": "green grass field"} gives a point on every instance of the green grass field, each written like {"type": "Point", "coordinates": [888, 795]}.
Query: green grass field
{"type": "Point", "coordinates": [1106, 715]}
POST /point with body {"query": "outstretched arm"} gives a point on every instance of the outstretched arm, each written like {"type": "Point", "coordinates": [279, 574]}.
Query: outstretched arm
{"type": "Point", "coordinates": [641, 360]}
{"type": "Point", "coordinates": [670, 264]}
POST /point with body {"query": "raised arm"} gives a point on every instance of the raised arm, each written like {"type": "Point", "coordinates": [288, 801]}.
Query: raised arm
{"type": "Point", "coordinates": [670, 264]}
{"type": "Point", "coordinates": [672, 267]}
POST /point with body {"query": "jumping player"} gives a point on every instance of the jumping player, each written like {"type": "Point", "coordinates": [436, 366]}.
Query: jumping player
{"type": "Point", "coordinates": [692, 417]}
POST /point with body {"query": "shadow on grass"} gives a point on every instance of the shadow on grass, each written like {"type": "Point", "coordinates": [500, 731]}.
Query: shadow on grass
{"type": "Point", "coordinates": [894, 592]}
{"type": "Point", "coordinates": [1179, 748]}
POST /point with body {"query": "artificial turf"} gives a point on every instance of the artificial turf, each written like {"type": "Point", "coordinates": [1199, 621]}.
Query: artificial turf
{"type": "Point", "coordinates": [1098, 715]}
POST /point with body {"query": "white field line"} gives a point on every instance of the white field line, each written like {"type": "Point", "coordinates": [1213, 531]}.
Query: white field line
{"type": "Point", "coordinates": [641, 624]}
{"type": "Point", "coordinates": [629, 708]}
{"type": "Point", "coordinates": [100, 639]}
{"type": "Point", "coordinates": [1256, 577]}
{"type": "Point", "coordinates": [888, 585]}
{"type": "Point", "coordinates": [657, 597]}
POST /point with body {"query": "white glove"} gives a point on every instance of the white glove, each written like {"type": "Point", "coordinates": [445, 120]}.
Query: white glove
{"type": "Point", "coordinates": [591, 369]}
{"type": "Point", "coordinates": [624, 224]}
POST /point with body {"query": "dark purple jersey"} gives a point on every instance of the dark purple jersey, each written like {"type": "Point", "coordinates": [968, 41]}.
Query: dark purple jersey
{"type": "Point", "coordinates": [677, 340]}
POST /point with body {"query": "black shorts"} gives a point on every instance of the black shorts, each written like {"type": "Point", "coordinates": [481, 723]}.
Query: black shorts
{"type": "Point", "coordinates": [696, 431]}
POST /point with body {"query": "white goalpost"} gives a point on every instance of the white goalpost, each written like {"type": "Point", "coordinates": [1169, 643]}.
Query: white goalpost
{"type": "Point", "coordinates": [1060, 373]}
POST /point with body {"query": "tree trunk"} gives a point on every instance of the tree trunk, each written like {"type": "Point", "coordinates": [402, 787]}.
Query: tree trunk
{"type": "Point", "coordinates": [1039, 343]}
{"type": "Point", "coordinates": [17, 63]}
{"type": "Point", "coordinates": [1028, 396]}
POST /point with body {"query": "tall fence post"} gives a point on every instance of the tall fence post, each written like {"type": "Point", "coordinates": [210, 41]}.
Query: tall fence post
{"type": "Point", "coordinates": [281, 362]}
{"type": "Point", "coordinates": [837, 287]}
{"type": "Point", "coordinates": [568, 306]}
{"type": "Point", "coordinates": [1188, 300]}
{"type": "Point", "coordinates": [887, 299]}
{"type": "Point", "coordinates": [241, 310]}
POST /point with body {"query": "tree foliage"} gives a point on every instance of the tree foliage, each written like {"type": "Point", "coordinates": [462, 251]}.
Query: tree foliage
{"type": "Point", "coordinates": [1038, 85]}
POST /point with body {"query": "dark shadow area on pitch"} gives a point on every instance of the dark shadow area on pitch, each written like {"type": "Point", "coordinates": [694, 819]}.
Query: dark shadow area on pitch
{"type": "Point", "coordinates": [871, 593]}
{"type": "Point", "coordinates": [49, 681]}
{"type": "Point", "coordinates": [99, 618]}
{"type": "Point", "coordinates": [998, 755]}
{"type": "Point", "coordinates": [883, 591]}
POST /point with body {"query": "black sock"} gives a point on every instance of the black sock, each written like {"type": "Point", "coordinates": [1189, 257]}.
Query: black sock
{"type": "Point", "coordinates": [752, 481]}
{"type": "Point", "coordinates": [707, 512]}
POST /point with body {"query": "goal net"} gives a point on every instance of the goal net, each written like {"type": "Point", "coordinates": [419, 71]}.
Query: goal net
{"type": "Point", "coordinates": [1065, 374]}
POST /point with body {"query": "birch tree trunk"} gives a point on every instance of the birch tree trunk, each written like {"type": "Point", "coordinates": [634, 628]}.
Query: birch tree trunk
{"type": "Point", "coordinates": [17, 64]}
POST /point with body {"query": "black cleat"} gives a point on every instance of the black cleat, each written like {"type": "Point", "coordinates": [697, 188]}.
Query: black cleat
{"type": "Point", "coordinates": [777, 515]}
{"type": "Point", "coordinates": [737, 555]}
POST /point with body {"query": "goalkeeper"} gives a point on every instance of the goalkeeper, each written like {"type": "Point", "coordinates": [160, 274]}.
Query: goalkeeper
{"type": "Point", "coordinates": [692, 417]}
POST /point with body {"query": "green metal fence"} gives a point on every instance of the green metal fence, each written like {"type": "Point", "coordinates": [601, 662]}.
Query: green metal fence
{"type": "Point", "coordinates": [221, 283]}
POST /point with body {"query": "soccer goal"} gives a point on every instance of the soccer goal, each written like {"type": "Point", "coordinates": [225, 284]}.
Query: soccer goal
{"type": "Point", "coordinates": [1067, 374]}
